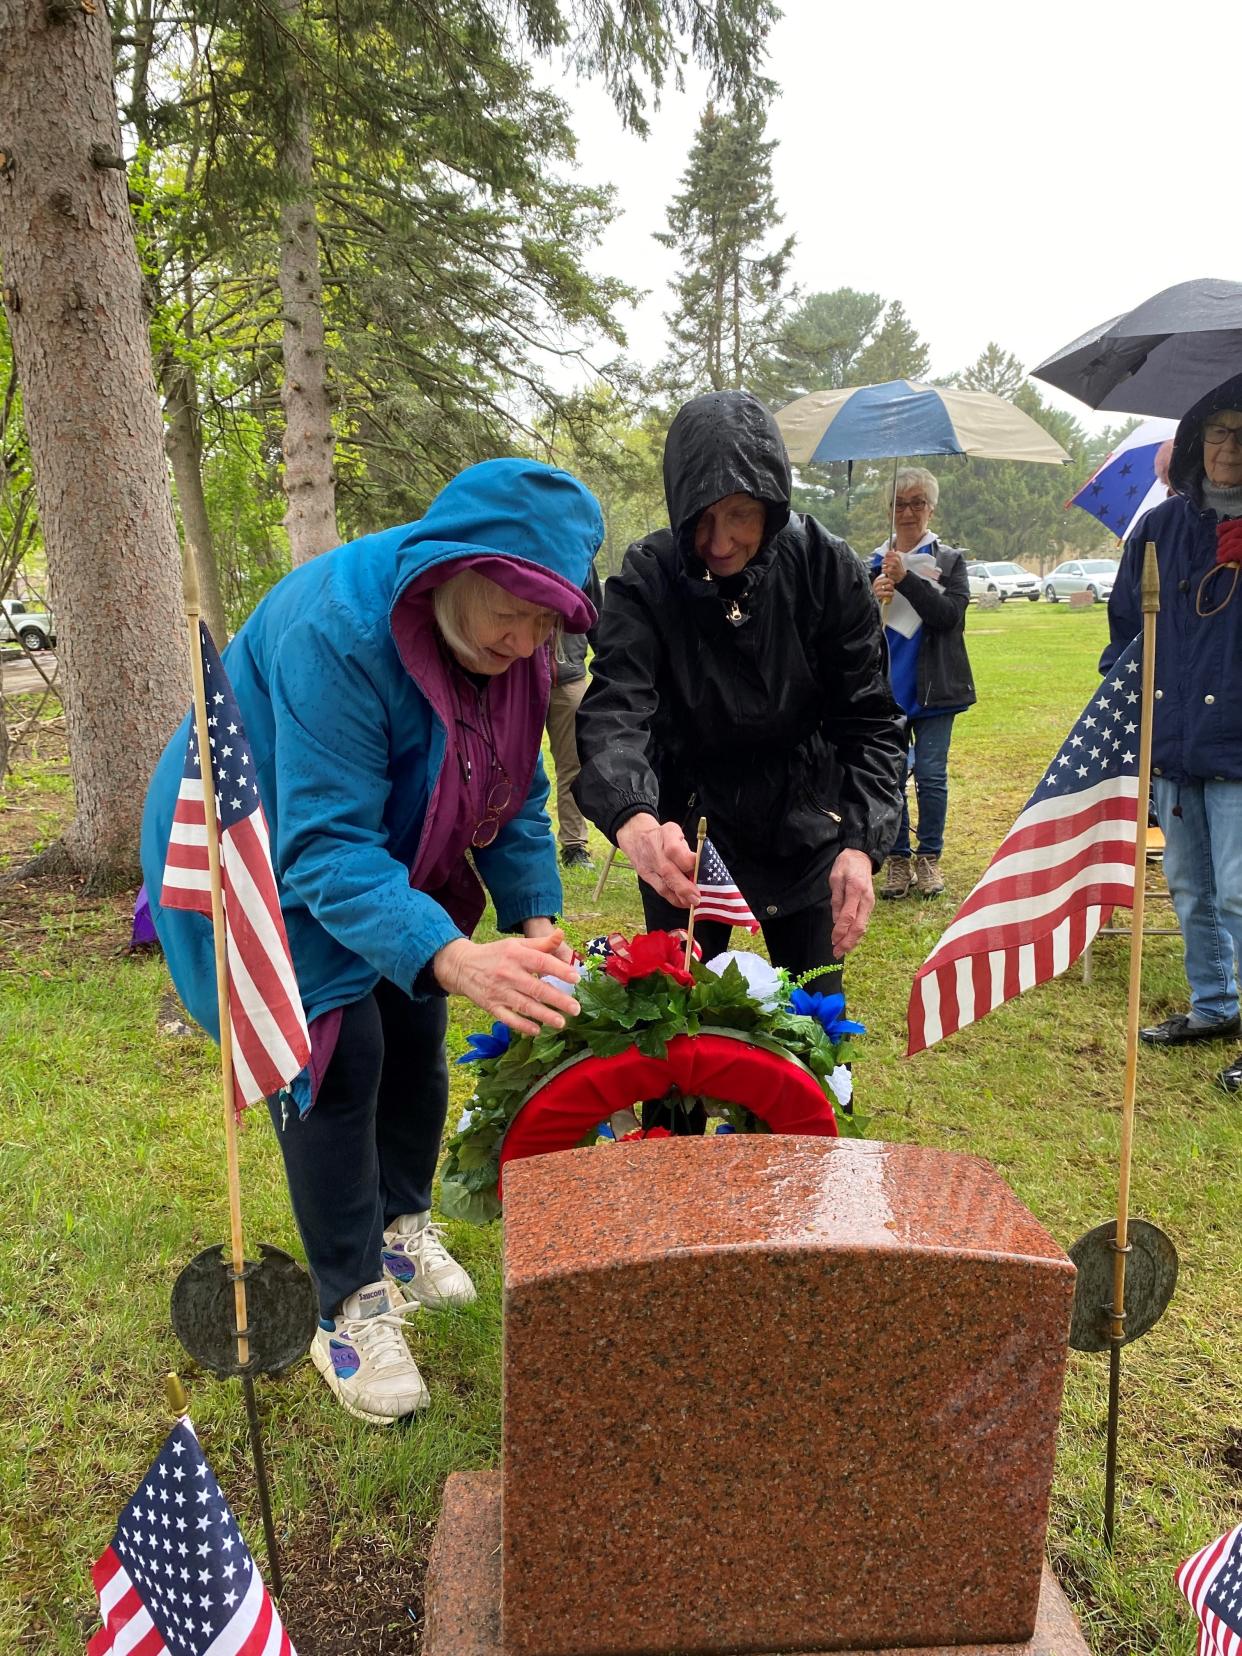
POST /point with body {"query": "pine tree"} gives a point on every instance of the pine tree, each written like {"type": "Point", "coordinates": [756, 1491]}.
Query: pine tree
{"type": "Point", "coordinates": [819, 344]}
{"type": "Point", "coordinates": [896, 352]}
{"type": "Point", "coordinates": [74, 300]}
{"type": "Point", "coordinates": [729, 295]}
{"type": "Point", "coordinates": [995, 370]}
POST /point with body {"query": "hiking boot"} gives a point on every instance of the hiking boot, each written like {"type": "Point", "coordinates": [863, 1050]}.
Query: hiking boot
{"type": "Point", "coordinates": [927, 872]}
{"type": "Point", "coordinates": [365, 1360]}
{"type": "Point", "coordinates": [576, 856]}
{"type": "Point", "coordinates": [421, 1267]}
{"type": "Point", "coordinates": [899, 878]}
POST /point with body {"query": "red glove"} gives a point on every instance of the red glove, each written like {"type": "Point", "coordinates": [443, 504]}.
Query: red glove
{"type": "Point", "coordinates": [1229, 541]}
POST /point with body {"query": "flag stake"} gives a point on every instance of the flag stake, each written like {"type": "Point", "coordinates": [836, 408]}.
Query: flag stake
{"type": "Point", "coordinates": [176, 1396]}
{"type": "Point", "coordinates": [1121, 1242]}
{"type": "Point", "coordinates": [603, 875]}
{"type": "Point", "coordinates": [238, 1273]}
{"type": "Point", "coordinates": [700, 836]}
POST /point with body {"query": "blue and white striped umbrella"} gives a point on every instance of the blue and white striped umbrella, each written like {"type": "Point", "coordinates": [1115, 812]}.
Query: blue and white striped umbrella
{"type": "Point", "coordinates": [881, 422]}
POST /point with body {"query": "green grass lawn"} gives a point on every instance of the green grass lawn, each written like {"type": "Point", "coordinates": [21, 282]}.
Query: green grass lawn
{"type": "Point", "coordinates": [112, 1176]}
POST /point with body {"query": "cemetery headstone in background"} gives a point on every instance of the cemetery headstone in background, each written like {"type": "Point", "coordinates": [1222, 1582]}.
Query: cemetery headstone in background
{"type": "Point", "coordinates": [765, 1394]}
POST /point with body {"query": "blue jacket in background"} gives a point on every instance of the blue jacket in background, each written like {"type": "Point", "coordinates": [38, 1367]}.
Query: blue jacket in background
{"type": "Point", "coordinates": [1197, 730]}
{"type": "Point", "coordinates": [347, 749]}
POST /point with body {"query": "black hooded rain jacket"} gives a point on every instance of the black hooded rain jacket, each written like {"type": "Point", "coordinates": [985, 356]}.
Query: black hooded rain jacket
{"type": "Point", "coordinates": [760, 701]}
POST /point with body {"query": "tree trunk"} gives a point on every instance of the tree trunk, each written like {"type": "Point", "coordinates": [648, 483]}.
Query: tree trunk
{"type": "Point", "coordinates": [310, 486]}
{"type": "Point", "coordinates": [73, 295]}
{"type": "Point", "coordinates": [184, 443]}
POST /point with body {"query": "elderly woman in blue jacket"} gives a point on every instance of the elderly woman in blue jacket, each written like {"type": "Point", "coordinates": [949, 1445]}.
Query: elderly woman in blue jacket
{"type": "Point", "coordinates": [1197, 727]}
{"type": "Point", "coordinates": [924, 584]}
{"type": "Point", "coordinates": [393, 692]}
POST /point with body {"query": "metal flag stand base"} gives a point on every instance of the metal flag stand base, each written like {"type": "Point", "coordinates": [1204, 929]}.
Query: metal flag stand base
{"type": "Point", "coordinates": [1139, 1296]}
{"type": "Point", "coordinates": [282, 1313]}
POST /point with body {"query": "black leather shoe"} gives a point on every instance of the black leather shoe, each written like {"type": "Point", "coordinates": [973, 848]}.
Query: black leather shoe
{"type": "Point", "coordinates": [1179, 1031]}
{"type": "Point", "coordinates": [576, 856]}
{"type": "Point", "coordinates": [1231, 1078]}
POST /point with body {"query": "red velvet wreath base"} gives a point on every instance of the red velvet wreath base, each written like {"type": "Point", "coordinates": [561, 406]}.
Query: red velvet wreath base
{"type": "Point", "coordinates": [563, 1110]}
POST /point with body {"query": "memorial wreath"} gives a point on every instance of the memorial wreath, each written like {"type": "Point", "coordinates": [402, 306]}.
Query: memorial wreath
{"type": "Point", "coordinates": [740, 1038]}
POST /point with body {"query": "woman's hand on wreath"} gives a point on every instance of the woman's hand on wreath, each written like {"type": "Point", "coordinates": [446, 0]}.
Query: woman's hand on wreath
{"type": "Point", "coordinates": [660, 855]}
{"type": "Point", "coordinates": [505, 979]}
{"type": "Point", "coordinates": [541, 927]}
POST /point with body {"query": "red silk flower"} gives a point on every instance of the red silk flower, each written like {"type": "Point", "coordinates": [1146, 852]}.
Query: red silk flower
{"type": "Point", "coordinates": [649, 952]}
{"type": "Point", "coordinates": [1229, 541]}
{"type": "Point", "coordinates": [645, 1133]}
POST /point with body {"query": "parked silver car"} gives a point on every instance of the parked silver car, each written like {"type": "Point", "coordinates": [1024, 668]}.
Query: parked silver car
{"type": "Point", "coordinates": [1007, 580]}
{"type": "Point", "coordinates": [1093, 575]}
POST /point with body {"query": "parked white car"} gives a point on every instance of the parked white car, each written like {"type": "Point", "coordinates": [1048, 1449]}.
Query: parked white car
{"type": "Point", "coordinates": [1008, 580]}
{"type": "Point", "coordinates": [1093, 575]}
{"type": "Point", "coordinates": [35, 628]}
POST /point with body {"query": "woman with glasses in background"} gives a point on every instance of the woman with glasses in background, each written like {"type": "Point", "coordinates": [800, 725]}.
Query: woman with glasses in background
{"type": "Point", "coordinates": [393, 692]}
{"type": "Point", "coordinates": [1197, 721]}
{"type": "Point", "coordinates": [924, 587]}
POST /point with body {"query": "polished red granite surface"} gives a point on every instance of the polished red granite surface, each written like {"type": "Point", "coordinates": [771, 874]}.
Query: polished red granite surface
{"type": "Point", "coordinates": [768, 1393]}
{"type": "Point", "coordinates": [463, 1588]}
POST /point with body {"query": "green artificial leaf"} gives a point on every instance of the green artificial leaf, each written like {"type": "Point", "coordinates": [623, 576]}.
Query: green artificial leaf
{"type": "Point", "coordinates": [477, 1150]}
{"type": "Point", "coordinates": [474, 1206]}
{"type": "Point", "coordinates": [651, 1043]}
{"type": "Point", "coordinates": [547, 1048]}
{"type": "Point", "coordinates": [600, 996]}
{"type": "Point", "coordinates": [713, 993]}
{"type": "Point", "coordinates": [854, 1123]}
{"type": "Point", "coordinates": [604, 1043]}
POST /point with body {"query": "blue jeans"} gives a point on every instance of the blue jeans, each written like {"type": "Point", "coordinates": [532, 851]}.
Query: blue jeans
{"type": "Point", "coordinates": [1202, 824]}
{"type": "Point", "coordinates": [929, 737]}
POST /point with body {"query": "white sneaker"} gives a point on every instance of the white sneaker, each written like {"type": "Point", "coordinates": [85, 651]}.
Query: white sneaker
{"type": "Point", "coordinates": [423, 1269]}
{"type": "Point", "coordinates": [365, 1359]}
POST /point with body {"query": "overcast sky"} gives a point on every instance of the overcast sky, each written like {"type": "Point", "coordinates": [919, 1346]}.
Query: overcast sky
{"type": "Point", "coordinates": [1017, 172]}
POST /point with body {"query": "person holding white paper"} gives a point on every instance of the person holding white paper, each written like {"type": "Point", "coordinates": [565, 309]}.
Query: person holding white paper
{"type": "Point", "coordinates": [924, 585]}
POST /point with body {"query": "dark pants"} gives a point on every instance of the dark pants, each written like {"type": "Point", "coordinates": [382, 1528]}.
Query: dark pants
{"type": "Point", "coordinates": [366, 1151]}
{"type": "Point", "coordinates": [796, 942]}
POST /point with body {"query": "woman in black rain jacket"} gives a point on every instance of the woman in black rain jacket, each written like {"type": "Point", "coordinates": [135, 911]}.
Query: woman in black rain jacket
{"type": "Point", "coordinates": [741, 675]}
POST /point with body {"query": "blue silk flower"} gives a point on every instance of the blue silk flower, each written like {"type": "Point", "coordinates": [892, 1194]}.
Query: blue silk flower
{"type": "Point", "coordinates": [828, 1011]}
{"type": "Point", "coordinates": [490, 1046]}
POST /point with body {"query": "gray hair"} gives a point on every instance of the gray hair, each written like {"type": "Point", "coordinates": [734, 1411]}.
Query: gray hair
{"type": "Point", "coordinates": [917, 477]}
{"type": "Point", "coordinates": [465, 601]}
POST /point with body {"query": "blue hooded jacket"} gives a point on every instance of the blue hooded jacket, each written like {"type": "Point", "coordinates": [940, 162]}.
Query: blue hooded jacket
{"type": "Point", "coordinates": [1197, 729]}
{"type": "Point", "coordinates": [348, 749]}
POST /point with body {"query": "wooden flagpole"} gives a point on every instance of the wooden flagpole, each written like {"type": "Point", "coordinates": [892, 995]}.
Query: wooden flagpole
{"type": "Point", "coordinates": [193, 613]}
{"type": "Point", "coordinates": [1121, 1243]}
{"type": "Point", "coordinates": [700, 836]}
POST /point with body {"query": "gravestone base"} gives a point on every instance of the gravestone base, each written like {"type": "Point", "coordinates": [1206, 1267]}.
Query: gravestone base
{"type": "Point", "coordinates": [462, 1598]}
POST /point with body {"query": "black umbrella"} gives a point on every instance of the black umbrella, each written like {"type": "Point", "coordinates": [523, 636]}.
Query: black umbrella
{"type": "Point", "coordinates": [1159, 358]}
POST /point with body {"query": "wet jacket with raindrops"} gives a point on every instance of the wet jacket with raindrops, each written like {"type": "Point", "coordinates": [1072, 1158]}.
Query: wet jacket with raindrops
{"type": "Point", "coordinates": [1197, 729]}
{"type": "Point", "coordinates": [759, 701]}
{"type": "Point", "coordinates": [340, 687]}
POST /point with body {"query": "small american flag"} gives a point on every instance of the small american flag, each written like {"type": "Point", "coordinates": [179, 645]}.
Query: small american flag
{"type": "Point", "coordinates": [721, 898]}
{"type": "Point", "coordinates": [1063, 866]}
{"type": "Point", "coordinates": [177, 1579]}
{"type": "Point", "coordinates": [270, 1041]}
{"type": "Point", "coordinates": [1212, 1583]}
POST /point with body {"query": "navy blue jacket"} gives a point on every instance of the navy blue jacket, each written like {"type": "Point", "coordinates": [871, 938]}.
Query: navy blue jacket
{"type": "Point", "coordinates": [1197, 731]}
